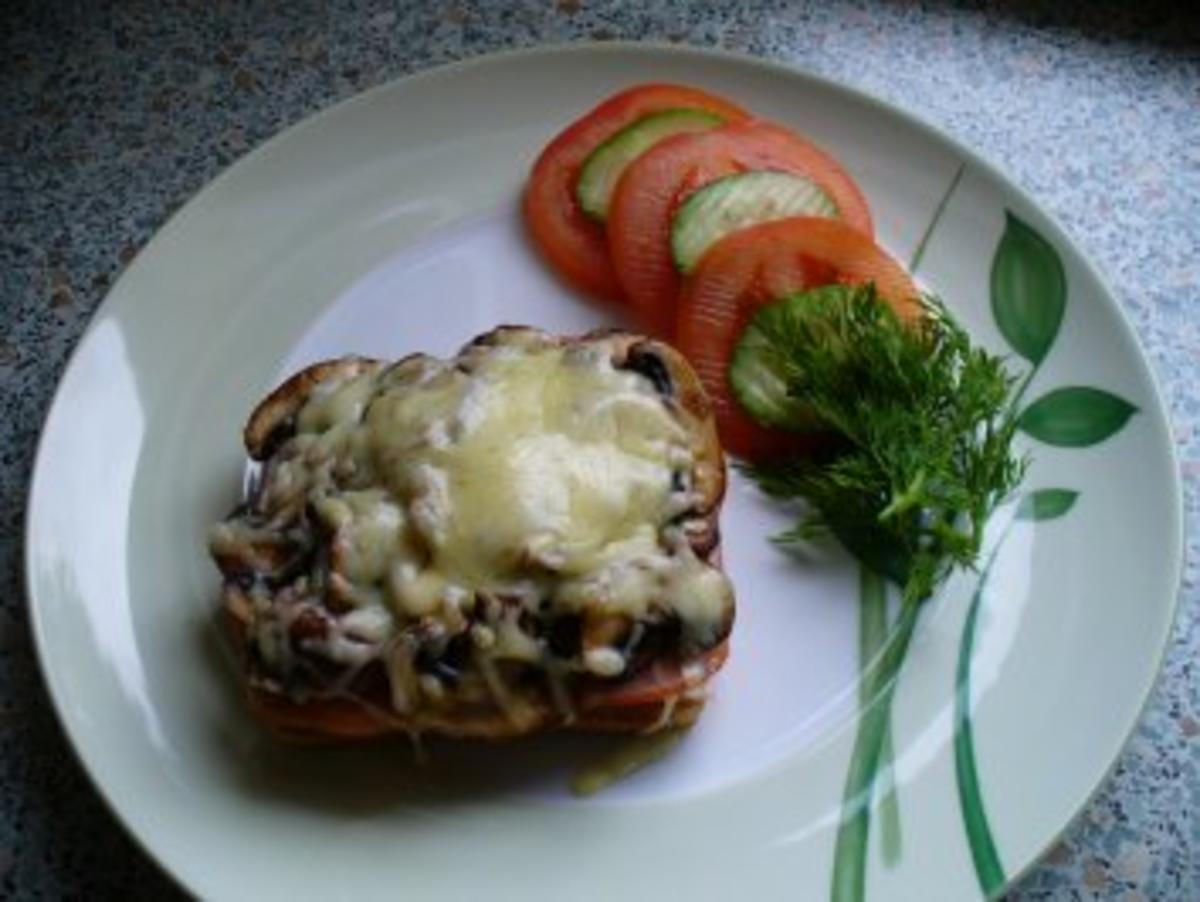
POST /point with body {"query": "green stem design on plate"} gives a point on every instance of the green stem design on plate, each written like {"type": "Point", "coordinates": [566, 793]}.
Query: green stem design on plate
{"type": "Point", "coordinates": [1037, 506]}
{"type": "Point", "coordinates": [873, 628]}
{"type": "Point", "coordinates": [1023, 385]}
{"type": "Point", "coordinates": [919, 252]}
{"type": "Point", "coordinates": [986, 858]}
{"type": "Point", "coordinates": [879, 687]}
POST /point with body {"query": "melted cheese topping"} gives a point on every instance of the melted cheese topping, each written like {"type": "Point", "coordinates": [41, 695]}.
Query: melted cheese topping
{"type": "Point", "coordinates": [552, 458]}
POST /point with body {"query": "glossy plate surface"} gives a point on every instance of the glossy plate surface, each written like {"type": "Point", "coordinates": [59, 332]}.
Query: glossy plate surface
{"type": "Point", "coordinates": [388, 224]}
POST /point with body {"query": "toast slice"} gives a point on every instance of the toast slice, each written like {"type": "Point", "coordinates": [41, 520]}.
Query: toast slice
{"type": "Point", "coordinates": [521, 538]}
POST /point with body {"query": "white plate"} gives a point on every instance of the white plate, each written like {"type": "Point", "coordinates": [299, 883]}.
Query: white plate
{"type": "Point", "coordinates": [388, 224]}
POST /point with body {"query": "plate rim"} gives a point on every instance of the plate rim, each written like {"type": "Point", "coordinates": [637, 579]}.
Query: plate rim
{"type": "Point", "coordinates": [1174, 554]}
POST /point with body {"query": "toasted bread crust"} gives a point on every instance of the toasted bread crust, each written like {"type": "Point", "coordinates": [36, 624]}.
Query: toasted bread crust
{"type": "Point", "coordinates": [341, 717]}
{"type": "Point", "coordinates": [325, 720]}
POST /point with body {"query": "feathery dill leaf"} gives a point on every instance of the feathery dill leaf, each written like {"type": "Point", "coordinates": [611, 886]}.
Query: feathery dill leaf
{"type": "Point", "coordinates": [928, 422]}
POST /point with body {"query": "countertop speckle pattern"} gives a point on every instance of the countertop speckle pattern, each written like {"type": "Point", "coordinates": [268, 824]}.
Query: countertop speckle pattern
{"type": "Point", "coordinates": [114, 114]}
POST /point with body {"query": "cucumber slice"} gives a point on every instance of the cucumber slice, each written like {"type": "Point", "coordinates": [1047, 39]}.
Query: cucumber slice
{"type": "Point", "coordinates": [758, 376]}
{"type": "Point", "coordinates": [737, 201]}
{"type": "Point", "coordinates": [603, 167]}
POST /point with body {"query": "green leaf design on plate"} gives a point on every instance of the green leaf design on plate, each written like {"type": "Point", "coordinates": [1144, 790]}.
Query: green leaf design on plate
{"type": "Point", "coordinates": [1029, 290]}
{"type": "Point", "coordinates": [1046, 504]}
{"type": "Point", "coordinates": [1075, 416]}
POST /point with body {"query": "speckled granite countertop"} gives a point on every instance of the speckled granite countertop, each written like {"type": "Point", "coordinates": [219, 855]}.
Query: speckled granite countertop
{"type": "Point", "coordinates": [115, 114]}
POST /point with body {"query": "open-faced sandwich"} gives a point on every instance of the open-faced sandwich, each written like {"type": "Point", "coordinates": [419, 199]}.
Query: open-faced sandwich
{"type": "Point", "coordinates": [521, 538]}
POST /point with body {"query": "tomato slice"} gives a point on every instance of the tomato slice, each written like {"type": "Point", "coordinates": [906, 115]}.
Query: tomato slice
{"type": "Point", "coordinates": [657, 683]}
{"type": "Point", "coordinates": [753, 267]}
{"type": "Point", "coordinates": [574, 244]}
{"type": "Point", "coordinates": [654, 185]}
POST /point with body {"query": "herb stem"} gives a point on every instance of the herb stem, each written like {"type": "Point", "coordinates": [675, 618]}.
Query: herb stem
{"type": "Point", "coordinates": [906, 500]}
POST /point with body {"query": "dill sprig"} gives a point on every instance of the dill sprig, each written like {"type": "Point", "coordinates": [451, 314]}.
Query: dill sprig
{"type": "Point", "coordinates": [927, 421]}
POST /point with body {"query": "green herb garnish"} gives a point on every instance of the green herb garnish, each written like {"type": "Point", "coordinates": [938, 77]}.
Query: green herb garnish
{"type": "Point", "coordinates": [927, 421]}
